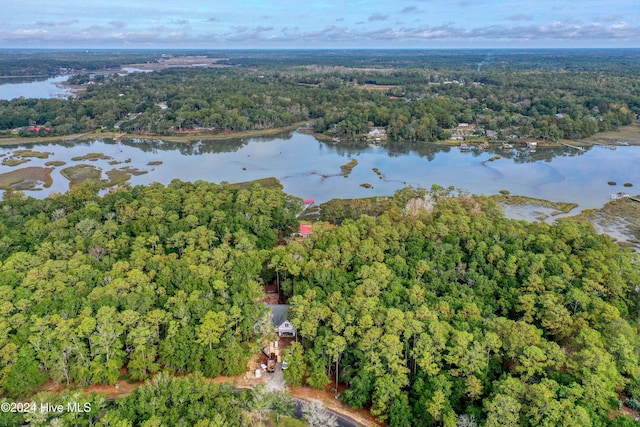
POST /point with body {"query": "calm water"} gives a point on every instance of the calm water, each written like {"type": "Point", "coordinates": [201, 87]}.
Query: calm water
{"type": "Point", "coordinates": [37, 89]}
{"type": "Point", "coordinates": [311, 169]}
{"type": "Point", "coordinates": [49, 88]}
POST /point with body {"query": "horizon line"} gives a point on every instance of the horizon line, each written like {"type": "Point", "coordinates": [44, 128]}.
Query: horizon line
{"type": "Point", "coordinates": [319, 48]}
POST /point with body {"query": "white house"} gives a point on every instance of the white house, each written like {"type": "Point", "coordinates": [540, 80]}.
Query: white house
{"type": "Point", "coordinates": [280, 321]}
{"type": "Point", "coordinates": [376, 132]}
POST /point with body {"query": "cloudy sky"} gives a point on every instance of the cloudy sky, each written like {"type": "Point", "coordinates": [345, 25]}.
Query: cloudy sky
{"type": "Point", "coordinates": [217, 24]}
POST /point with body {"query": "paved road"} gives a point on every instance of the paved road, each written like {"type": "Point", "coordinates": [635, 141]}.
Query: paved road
{"type": "Point", "coordinates": [343, 421]}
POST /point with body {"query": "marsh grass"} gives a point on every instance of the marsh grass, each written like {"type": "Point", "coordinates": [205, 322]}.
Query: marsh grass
{"type": "Point", "coordinates": [347, 168]}
{"type": "Point", "coordinates": [55, 163]}
{"type": "Point", "coordinates": [92, 157]}
{"type": "Point", "coordinates": [77, 174]}
{"type": "Point", "coordinates": [560, 207]}
{"type": "Point", "coordinates": [26, 178]}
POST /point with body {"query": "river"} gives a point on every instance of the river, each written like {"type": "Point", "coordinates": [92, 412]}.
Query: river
{"type": "Point", "coordinates": [46, 88]}
{"type": "Point", "coordinates": [311, 169]}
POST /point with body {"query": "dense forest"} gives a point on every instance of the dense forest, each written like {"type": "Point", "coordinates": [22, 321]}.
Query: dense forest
{"type": "Point", "coordinates": [433, 318]}
{"type": "Point", "coordinates": [416, 96]}
{"type": "Point", "coordinates": [428, 307]}
{"type": "Point", "coordinates": [189, 401]}
{"type": "Point", "coordinates": [152, 278]}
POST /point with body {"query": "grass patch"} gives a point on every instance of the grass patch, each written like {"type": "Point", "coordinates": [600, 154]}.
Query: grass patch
{"type": "Point", "coordinates": [79, 173]}
{"type": "Point", "coordinates": [12, 161]}
{"type": "Point", "coordinates": [265, 182]}
{"type": "Point", "coordinates": [92, 157]}
{"type": "Point", "coordinates": [372, 86]}
{"type": "Point", "coordinates": [612, 183]}
{"type": "Point", "coordinates": [155, 163]}
{"type": "Point", "coordinates": [117, 176]}
{"type": "Point", "coordinates": [133, 171]}
{"type": "Point", "coordinates": [15, 140]}
{"type": "Point", "coordinates": [629, 134]}
{"type": "Point", "coordinates": [348, 167]}
{"type": "Point", "coordinates": [628, 184]}
{"type": "Point", "coordinates": [285, 421]}
{"type": "Point", "coordinates": [366, 185]}
{"type": "Point", "coordinates": [26, 178]}
{"type": "Point", "coordinates": [560, 207]}
{"type": "Point", "coordinates": [55, 163]}
{"type": "Point", "coordinates": [115, 162]}
{"type": "Point", "coordinates": [291, 422]}
{"type": "Point", "coordinates": [31, 153]}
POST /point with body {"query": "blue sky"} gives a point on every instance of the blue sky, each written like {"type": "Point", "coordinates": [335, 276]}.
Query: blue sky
{"type": "Point", "coordinates": [263, 24]}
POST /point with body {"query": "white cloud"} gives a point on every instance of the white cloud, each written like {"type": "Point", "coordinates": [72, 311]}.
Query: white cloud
{"type": "Point", "coordinates": [326, 23]}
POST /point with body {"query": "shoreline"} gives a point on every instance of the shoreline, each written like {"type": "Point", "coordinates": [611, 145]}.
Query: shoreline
{"type": "Point", "coordinates": [186, 138]}
{"type": "Point", "coordinates": [624, 136]}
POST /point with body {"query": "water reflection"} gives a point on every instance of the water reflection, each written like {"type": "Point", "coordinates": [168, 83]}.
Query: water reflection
{"type": "Point", "coordinates": [200, 147]}
{"type": "Point", "coordinates": [30, 88]}
{"type": "Point", "coordinates": [519, 154]}
{"type": "Point", "coordinates": [310, 168]}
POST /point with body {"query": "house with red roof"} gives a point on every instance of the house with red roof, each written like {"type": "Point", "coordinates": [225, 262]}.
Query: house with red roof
{"type": "Point", "coordinates": [305, 230]}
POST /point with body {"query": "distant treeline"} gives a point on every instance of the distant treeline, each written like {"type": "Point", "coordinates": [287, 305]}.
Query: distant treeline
{"type": "Point", "coordinates": [546, 95]}
{"type": "Point", "coordinates": [21, 62]}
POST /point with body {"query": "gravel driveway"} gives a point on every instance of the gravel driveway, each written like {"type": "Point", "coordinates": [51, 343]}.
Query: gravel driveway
{"type": "Point", "coordinates": [275, 381]}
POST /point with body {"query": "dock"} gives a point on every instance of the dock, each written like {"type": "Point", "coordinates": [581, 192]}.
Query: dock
{"type": "Point", "coordinates": [76, 136]}
{"type": "Point", "coordinates": [572, 146]}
